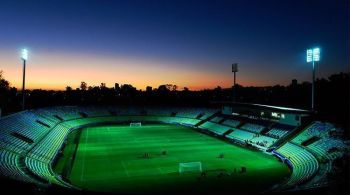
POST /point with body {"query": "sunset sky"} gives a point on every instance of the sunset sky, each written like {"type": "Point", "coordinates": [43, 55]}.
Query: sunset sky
{"type": "Point", "coordinates": [187, 43]}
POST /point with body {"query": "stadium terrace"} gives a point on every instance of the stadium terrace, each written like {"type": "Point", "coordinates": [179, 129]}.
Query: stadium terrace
{"type": "Point", "coordinates": [135, 149]}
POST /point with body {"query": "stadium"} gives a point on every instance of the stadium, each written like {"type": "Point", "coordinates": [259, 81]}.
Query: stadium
{"type": "Point", "coordinates": [136, 150]}
{"type": "Point", "coordinates": [162, 97]}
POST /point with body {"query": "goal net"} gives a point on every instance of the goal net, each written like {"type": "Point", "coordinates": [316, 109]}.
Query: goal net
{"type": "Point", "coordinates": [138, 124]}
{"type": "Point", "coordinates": [190, 167]}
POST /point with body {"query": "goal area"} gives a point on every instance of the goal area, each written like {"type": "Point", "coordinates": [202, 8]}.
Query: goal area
{"type": "Point", "coordinates": [190, 167]}
{"type": "Point", "coordinates": [138, 124]}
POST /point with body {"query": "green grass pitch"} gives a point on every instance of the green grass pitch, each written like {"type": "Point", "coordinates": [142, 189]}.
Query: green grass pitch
{"type": "Point", "coordinates": [111, 159]}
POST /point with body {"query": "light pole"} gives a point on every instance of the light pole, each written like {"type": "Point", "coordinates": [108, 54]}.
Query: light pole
{"type": "Point", "coordinates": [24, 57]}
{"type": "Point", "coordinates": [313, 55]}
{"type": "Point", "coordinates": [234, 70]}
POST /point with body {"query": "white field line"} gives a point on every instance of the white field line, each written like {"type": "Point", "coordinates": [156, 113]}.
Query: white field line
{"type": "Point", "coordinates": [160, 170]}
{"type": "Point", "coordinates": [126, 170]}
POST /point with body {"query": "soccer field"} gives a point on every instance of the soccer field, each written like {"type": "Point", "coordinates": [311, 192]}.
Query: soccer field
{"type": "Point", "coordinates": [111, 159]}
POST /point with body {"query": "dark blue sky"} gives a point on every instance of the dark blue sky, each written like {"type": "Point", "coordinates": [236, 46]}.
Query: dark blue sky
{"type": "Point", "coordinates": [268, 38]}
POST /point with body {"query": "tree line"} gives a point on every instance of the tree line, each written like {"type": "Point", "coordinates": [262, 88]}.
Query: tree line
{"type": "Point", "coordinates": [331, 96]}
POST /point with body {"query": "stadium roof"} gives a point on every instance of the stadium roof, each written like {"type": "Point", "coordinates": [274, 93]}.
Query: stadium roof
{"type": "Point", "coordinates": [266, 107]}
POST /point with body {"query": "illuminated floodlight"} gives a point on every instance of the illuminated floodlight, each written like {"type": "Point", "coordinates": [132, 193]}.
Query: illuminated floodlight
{"type": "Point", "coordinates": [309, 55]}
{"type": "Point", "coordinates": [313, 55]}
{"type": "Point", "coordinates": [24, 54]}
{"type": "Point", "coordinates": [316, 54]}
{"type": "Point", "coordinates": [24, 57]}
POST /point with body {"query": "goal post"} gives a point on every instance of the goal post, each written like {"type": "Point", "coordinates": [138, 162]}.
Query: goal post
{"type": "Point", "coordinates": [190, 167]}
{"type": "Point", "coordinates": [137, 124]}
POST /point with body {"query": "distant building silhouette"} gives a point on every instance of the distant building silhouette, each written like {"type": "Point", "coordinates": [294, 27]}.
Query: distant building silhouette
{"type": "Point", "coordinates": [117, 88]}
{"type": "Point", "coordinates": [148, 89]}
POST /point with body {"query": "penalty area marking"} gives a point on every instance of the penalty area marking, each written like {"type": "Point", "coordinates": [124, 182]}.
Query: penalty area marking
{"type": "Point", "coordinates": [125, 169]}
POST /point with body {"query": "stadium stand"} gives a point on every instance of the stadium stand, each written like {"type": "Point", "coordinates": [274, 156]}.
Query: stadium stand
{"type": "Point", "coordinates": [240, 135]}
{"type": "Point", "coordinates": [327, 148]}
{"type": "Point", "coordinates": [9, 166]}
{"type": "Point", "coordinates": [316, 129]}
{"type": "Point", "coordinates": [12, 143]}
{"type": "Point", "coordinates": [93, 111]}
{"type": "Point", "coordinates": [262, 141]}
{"type": "Point", "coordinates": [43, 170]}
{"type": "Point", "coordinates": [159, 111]}
{"type": "Point", "coordinates": [30, 140]}
{"type": "Point", "coordinates": [65, 112]}
{"type": "Point", "coordinates": [277, 133]}
{"type": "Point", "coordinates": [24, 124]}
{"type": "Point", "coordinates": [255, 128]}
{"type": "Point", "coordinates": [304, 164]}
{"type": "Point", "coordinates": [46, 149]}
{"type": "Point", "coordinates": [214, 127]}
{"type": "Point", "coordinates": [231, 123]}
{"type": "Point", "coordinates": [216, 119]}
{"type": "Point", "coordinates": [189, 113]}
{"type": "Point", "coordinates": [206, 113]}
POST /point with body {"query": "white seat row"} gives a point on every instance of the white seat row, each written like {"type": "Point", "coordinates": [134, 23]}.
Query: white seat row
{"type": "Point", "coordinates": [231, 122]}
{"type": "Point", "coordinates": [304, 164]}
{"type": "Point", "coordinates": [214, 127]}
{"type": "Point", "coordinates": [253, 127]}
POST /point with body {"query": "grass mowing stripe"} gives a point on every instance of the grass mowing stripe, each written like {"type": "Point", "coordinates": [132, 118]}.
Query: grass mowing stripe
{"type": "Point", "coordinates": [110, 159]}
{"type": "Point", "coordinates": [84, 151]}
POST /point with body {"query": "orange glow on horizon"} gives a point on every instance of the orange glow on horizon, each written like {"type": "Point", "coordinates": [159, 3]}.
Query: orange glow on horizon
{"type": "Point", "coordinates": [55, 71]}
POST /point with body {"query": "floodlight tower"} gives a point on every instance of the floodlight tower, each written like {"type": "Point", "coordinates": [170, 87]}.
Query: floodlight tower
{"type": "Point", "coordinates": [24, 57]}
{"type": "Point", "coordinates": [313, 55]}
{"type": "Point", "coordinates": [234, 70]}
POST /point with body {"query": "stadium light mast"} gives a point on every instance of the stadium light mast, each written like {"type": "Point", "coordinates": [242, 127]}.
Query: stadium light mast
{"type": "Point", "coordinates": [313, 55]}
{"type": "Point", "coordinates": [234, 70]}
{"type": "Point", "coordinates": [24, 57]}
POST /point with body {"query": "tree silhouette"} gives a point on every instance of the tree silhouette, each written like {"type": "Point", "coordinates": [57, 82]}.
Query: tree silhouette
{"type": "Point", "coordinates": [83, 86]}
{"type": "Point", "coordinates": [69, 88]}
{"type": "Point", "coordinates": [4, 92]}
{"type": "Point", "coordinates": [332, 96]}
{"type": "Point", "coordinates": [4, 84]}
{"type": "Point", "coordinates": [174, 88]}
{"type": "Point", "coordinates": [103, 86]}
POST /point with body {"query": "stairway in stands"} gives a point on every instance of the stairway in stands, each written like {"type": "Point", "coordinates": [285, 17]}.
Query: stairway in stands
{"type": "Point", "coordinates": [208, 119]}
{"type": "Point", "coordinates": [22, 165]}
{"type": "Point", "coordinates": [227, 132]}
{"type": "Point", "coordinates": [268, 128]}
{"type": "Point", "coordinates": [291, 134]}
